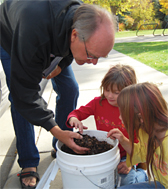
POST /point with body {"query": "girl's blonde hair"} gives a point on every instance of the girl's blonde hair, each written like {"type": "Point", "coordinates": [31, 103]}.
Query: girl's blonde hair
{"type": "Point", "coordinates": [119, 75]}
{"type": "Point", "coordinates": [144, 101]}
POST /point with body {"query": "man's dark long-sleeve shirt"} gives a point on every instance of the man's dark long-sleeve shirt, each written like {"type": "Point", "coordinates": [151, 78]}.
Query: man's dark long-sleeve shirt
{"type": "Point", "coordinates": [30, 32]}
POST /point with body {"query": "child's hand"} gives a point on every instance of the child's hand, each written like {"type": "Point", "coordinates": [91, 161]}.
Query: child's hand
{"type": "Point", "coordinates": [125, 143]}
{"type": "Point", "coordinates": [116, 133]}
{"type": "Point", "coordinates": [74, 122]}
{"type": "Point", "coordinates": [123, 169]}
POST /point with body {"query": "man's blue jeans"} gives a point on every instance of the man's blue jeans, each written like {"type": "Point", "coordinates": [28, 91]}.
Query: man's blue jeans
{"type": "Point", "coordinates": [67, 90]}
{"type": "Point", "coordinates": [24, 131]}
{"type": "Point", "coordinates": [144, 185]}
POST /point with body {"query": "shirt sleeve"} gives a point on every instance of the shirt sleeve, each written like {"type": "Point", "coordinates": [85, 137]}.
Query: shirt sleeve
{"type": "Point", "coordinates": [83, 112]}
{"type": "Point", "coordinates": [27, 64]}
{"type": "Point", "coordinates": [66, 61]}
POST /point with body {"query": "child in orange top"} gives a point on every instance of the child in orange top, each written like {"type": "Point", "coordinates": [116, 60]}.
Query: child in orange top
{"type": "Point", "coordinates": [106, 115]}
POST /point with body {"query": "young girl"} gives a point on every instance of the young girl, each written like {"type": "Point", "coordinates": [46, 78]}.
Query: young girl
{"type": "Point", "coordinates": [106, 115]}
{"type": "Point", "coordinates": [144, 110]}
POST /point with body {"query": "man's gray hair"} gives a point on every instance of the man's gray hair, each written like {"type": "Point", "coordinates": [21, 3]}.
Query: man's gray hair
{"type": "Point", "coordinates": [88, 18]}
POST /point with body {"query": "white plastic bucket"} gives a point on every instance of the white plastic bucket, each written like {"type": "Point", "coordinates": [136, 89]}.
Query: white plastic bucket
{"type": "Point", "coordinates": [89, 171]}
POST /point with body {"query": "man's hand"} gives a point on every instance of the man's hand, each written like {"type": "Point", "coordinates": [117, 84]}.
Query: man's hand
{"type": "Point", "coordinates": [54, 73]}
{"type": "Point", "coordinates": [123, 169]}
{"type": "Point", "coordinates": [74, 122]}
{"type": "Point", "coordinates": [67, 137]}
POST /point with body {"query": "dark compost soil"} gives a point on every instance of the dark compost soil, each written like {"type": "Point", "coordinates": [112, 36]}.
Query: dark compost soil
{"type": "Point", "coordinates": [96, 147]}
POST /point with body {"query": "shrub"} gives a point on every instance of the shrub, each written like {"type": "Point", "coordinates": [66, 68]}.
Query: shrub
{"type": "Point", "coordinates": [151, 25]}
{"type": "Point", "coordinates": [121, 26]}
{"type": "Point", "coordinates": [129, 22]}
{"type": "Point", "coordinates": [159, 23]}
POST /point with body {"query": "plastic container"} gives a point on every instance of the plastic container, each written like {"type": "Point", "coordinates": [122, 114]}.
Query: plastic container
{"type": "Point", "coordinates": [85, 171]}
{"type": "Point", "coordinates": [89, 171]}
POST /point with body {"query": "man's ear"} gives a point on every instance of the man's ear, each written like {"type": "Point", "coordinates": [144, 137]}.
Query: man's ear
{"type": "Point", "coordinates": [140, 117]}
{"type": "Point", "coordinates": [74, 35]}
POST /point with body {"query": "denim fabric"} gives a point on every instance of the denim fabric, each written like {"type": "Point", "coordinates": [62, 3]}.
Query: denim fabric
{"type": "Point", "coordinates": [143, 185]}
{"type": "Point", "coordinates": [134, 176]}
{"type": "Point", "coordinates": [67, 90]}
{"type": "Point", "coordinates": [24, 131]}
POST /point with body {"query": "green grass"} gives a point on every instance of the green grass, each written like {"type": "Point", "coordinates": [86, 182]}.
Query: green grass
{"type": "Point", "coordinates": [153, 54]}
{"type": "Point", "coordinates": [140, 32]}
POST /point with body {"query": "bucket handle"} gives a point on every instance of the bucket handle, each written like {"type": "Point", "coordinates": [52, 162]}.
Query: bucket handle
{"type": "Point", "coordinates": [48, 176]}
{"type": "Point", "coordinates": [117, 182]}
{"type": "Point", "coordinates": [90, 180]}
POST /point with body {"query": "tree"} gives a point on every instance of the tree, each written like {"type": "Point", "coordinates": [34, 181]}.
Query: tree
{"type": "Point", "coordinates": [164, 8]}
{"type": "Point", "coordinates": [115, 6]}
{"type": "Point", "coordinates": [158, 14]}
{"type": "Point", "coordinates": [142, 10]}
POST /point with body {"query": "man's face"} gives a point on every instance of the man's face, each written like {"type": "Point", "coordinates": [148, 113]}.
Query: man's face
{"type": "Point", "coordinates": [80, 52]}
{"type": "Point", "coordinates": [98, 45]}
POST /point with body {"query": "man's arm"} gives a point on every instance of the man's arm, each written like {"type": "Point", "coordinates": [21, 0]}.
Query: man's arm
{"type": "Point", "coordinates": [67, 137]}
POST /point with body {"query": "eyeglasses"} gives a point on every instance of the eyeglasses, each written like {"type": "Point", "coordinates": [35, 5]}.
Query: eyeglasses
{"type": "Point", "coordinates": [91, 57]}
{"type": "Point", "coordinates": [88, 56]}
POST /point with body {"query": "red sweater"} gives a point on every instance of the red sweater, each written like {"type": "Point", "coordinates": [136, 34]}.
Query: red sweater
{"type": "Point", "coordinates": [106, 117]}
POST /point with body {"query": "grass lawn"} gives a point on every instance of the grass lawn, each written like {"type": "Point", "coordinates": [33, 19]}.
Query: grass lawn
{"type": "Point", "coordinates": [153, 54]}
{"type": "Point", "coordinates": [140, 32]}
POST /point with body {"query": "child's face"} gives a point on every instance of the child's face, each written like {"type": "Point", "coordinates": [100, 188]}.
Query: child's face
{"type": "Point", "coordinates": [112, 96]}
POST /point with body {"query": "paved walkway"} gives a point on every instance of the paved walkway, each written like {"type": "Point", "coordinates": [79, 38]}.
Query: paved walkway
{"type": "Point", "coordinates": [89, 79]}
{"type": "Point", "coordinates": [146, 38]}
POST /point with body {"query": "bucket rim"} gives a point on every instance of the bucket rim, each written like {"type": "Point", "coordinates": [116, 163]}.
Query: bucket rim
{"type": "Point", "coordinates": [88, 156]}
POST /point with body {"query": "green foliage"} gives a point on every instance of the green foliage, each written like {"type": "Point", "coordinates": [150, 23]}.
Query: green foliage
{"type": "Point", "coordinates": [164, 8]}
{"type": "Point", "coordinates": [116, 6]}
{"type": "Point", "coordinates": [158, 14]}
{"type": "Point", "coordinates": [142, 10]}
{"type": "Point", "coordinates": [103, 3]}
{"type": "Point", "coordinates": [129, 22]}
{"type": "Point", "coordinates": [121, 18]}
{"type": "Point", "coordinates": [133, 13]}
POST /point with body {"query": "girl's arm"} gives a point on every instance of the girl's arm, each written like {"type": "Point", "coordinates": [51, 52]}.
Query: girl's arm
{"type": "Point", "coordinates": [125, 143]}
{"type": "Point", "coordinates": [74, 122]}
{"type": "Point", "coordinates": [76, 116]}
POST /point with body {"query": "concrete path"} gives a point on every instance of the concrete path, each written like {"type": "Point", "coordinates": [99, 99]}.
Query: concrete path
{"type": "Point", "coordinates": [146, 38]}
{"type": "Point", "coordinates": [89, 79]}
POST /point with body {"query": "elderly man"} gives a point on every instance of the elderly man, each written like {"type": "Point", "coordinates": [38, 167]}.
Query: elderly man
{"type": "Point", "coordinates": [36, 34]}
